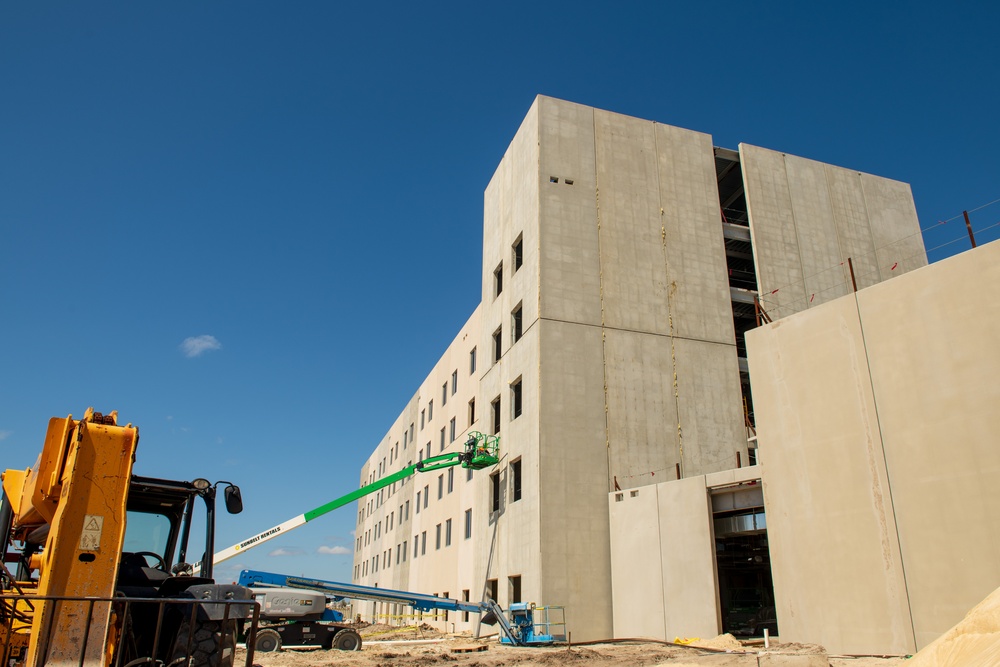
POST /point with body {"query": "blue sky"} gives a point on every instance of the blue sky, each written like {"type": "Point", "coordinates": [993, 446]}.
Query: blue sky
{"type": "Point", "coordinates": [298, 187]}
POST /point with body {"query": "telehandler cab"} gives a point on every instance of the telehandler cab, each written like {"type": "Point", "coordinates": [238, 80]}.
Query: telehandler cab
{"type": "Point", "coordinates": [85, 590]}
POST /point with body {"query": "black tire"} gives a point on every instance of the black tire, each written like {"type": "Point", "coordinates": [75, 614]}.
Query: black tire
{"type": "Point", "coordinates": [211, 644]}
{"type": "Point", "coordinates": [347, 640]}
{"type": "Point", "coordinates": [267, 641]}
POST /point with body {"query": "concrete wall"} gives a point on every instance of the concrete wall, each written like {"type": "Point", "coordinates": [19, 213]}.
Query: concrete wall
{"type": "Point", "coordinates": [663, 556]}
{"type": "Point", "coordinates": [877, 421]}
{"type": "Point", "coordinates": [807, 218]}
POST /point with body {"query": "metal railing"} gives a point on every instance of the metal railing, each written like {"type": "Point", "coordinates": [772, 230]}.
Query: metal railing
{"type": "Point", "coordinates": [138, 639]}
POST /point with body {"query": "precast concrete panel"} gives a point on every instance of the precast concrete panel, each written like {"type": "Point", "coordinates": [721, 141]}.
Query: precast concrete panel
{"type": "Point", "coordinates": [710, 427]}
{"type": "Point", "coordinates": [772, 231]}
{"type": "Point", "coordinates": [687, 546]}
{"type": "Point", "coordinates": [636, 564]}
{"type": "Point", "coordinates": [932, 347]}
{"type": "Point", "coordinates": [641, 407]}
{"type": "Point", "coordinates": [569, 269]}
{"type": "Point", "coordinates": [575, 553]}
{"type": "Point", "coordinates": [694, 250]}
{"type": "Point", "coordinates": [633, 263]}
{"type": "Point", "coordinates": [831, 529]}
{"type": "Point", "coordinates": [853, 226]}
{"type": "Point", "coordinates": [899, 244]}
{"type": "Point", "coordinates": [819, 247]}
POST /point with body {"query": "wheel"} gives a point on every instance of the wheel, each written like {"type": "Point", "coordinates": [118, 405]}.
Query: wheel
{"type": "Point", "coordinates": [347, 640]}
{"type": "Point", "coordinates": [268, 640]}
{"type": "Point", "coordinates": [204, 644]}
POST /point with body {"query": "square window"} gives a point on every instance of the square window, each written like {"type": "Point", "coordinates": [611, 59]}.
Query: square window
{"type": "Point", "coordinates": [518, 253]}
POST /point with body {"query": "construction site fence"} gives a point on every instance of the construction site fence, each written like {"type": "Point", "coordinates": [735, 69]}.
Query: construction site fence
{"type": "Point", "coordinates": [16, 623]}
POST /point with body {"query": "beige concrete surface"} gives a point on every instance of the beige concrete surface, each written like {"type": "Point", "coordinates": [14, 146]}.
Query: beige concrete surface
{"type": "Point", "coordinates": [973, 642]}
{"type": "Point", "coordinates": [876, 424]}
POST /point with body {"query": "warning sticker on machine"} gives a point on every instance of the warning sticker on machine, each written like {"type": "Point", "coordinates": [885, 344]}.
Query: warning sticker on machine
{"type": "Point", "coordinates": [90, 538]}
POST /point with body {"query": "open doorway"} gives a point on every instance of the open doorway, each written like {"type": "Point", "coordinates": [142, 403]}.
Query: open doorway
{"type": "Point", "coordinates": [743, 563]}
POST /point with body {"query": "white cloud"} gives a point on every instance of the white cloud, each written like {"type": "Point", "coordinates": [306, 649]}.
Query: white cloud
{"type": "Point", "coordinates": [198, 345]}
{"type": "Point", "coordinates": [286, 551]}
{"type": "Point", "coordinates": [333, 551]}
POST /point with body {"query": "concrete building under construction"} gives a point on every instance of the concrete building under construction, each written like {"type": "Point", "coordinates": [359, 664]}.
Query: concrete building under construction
{"type": "Point", "coordinates": [621, 262]}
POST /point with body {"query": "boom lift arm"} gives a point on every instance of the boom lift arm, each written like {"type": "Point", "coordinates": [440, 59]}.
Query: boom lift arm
{"type": "Point", "coordinates": [481, 451]}
{"type": "Point", "coordinates": [490, 610]}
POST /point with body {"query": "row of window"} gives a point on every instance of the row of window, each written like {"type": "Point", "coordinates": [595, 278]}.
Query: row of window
{"type": "Point", "coordinates": [442, 539]}
{"type": "Point", "coordinates": [423, 500]}
{"type": "Point", "coordinates": [517, 330]}
{"type": "Point", "coordinates": [516, 261]}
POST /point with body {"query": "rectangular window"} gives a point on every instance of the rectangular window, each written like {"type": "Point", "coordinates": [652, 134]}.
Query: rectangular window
{"type": "Point", "coordinates": [405, 436]}
{"type": "Point", "coordinates": [430, 410]}
{"type": "Point", "coordinates": [416, 545]}
{"type": "Point", "coordinates": [454, 382]}
{"type": "Point", "coordinates": [406, 515]}
{"type": "Point", "coordinates": [495, 406]}
{"type": "Point", "coordinates": [423, 543]}
{"type": "Point", "coordinates": [515, 399]}
{"type": "Point", "coordinates": [472, 361]}
{"type": "Point", "coordinates": [495, 492]}
{"type": "Point", "coordinates": [451, 480]}
{"type": "Point", "coordinates": [444, 394]}
{"type": "Point", "coordinates": [411, 433]}
{"type": "Point", "coordinates": [418, 502]}
{"type": "Point", "coordinates": [423, 413]}
{"type": "Point", "coordinates": [427, 495]}
{"type": "Point", "coordinates": [517, 255]}
{"type": "Point", "coordinates": [493, 587]}
{"type": "Point", "coordinates": [515, 589]}
{"type": "Point", "coordinates": [515, 322]}
{"type": "Point", "coordinates": [398, 548]}
{"type": "Point", "coordinates": [468, 474]}
{"type": "Point", "coordinates": [472, 412]}
{"type": "Point", "coordinates": [447, 533]}
{"type": "Point", "coordinates": [452, 432]}
{"type": "Point", "coordinates": [437, 536]}
{"type": "Point", "coordinates": [440, 486]}
{"type": "Point", "coordinates": [406, 550]}
{"type": "Point", "coordinates": [498, 280]}
{"type": "Point", "coordinates": [497, 344]}
{"type": "Point", "coordinates": [468, 523]}
{"type": "Point", "coordinates": [515, 480]}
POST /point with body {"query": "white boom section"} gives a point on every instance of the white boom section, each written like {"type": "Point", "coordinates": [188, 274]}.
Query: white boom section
{"type": "Point", "coordinates": [258, 539]}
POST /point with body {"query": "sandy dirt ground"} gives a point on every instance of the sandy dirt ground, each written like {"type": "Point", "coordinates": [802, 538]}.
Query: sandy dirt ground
{"type": "Point", "coordinates": [424, 647]}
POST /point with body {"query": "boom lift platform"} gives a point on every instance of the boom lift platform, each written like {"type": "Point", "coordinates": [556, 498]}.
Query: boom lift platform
{"type": "Point", "coordinates": [527, 624]}
{"type": "Point", "coordinates": [481, 451]}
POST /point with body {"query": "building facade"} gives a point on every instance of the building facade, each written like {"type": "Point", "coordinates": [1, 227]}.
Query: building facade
{"type": "Point", "coordinates": [621, 261]}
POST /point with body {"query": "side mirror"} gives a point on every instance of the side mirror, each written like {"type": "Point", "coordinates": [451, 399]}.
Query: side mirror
{"type": "Point", "coordinates": [234, 500]}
